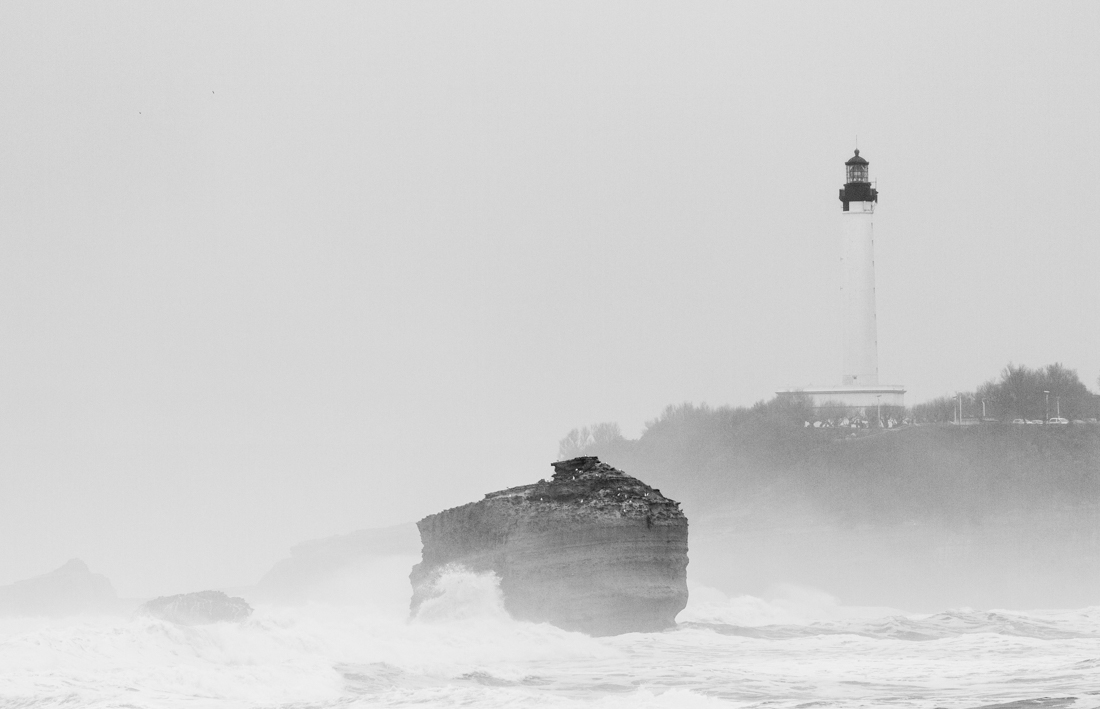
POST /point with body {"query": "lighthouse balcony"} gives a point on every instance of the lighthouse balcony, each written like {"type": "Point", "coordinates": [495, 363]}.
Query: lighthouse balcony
{"type": "Point", "coordinates": [857, 192]}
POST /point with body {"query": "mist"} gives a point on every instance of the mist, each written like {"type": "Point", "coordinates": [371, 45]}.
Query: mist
{"type": "Point", "coordinates": [276, 276]}
{"type": "Point", "coordinates": [284, 274]}
{"type": "Point", "coordinates": [924, 516]}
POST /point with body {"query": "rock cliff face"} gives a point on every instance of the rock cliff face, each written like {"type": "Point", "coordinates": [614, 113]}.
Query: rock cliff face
{"type": "Point", "coordinates": [593, 550]}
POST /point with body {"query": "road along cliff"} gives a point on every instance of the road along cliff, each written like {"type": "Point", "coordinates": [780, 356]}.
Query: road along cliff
{"type": "Point", "coordinates": [593, 550]}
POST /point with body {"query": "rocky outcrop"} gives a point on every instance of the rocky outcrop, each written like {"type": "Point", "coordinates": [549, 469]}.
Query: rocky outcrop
{"type": "Point", "coordinates": [197, 608]}
{"type": "Point", "coordinates": [68, 590]}
{"type": "Point", "coordinates": [593, 550]}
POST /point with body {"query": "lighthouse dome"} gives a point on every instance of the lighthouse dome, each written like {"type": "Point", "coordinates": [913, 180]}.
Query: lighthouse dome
{"type": "Point", "coordinates": [856, 160]}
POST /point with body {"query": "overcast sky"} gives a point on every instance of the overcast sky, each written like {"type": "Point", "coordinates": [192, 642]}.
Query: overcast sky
{"type": "Point", "coordinates": [276, 272]}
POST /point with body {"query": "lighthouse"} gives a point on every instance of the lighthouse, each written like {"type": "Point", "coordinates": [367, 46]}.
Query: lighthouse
{"type": "Point", "coordinates": [859, 332]}
{"type": "Point", "coordinates": [857, 316]}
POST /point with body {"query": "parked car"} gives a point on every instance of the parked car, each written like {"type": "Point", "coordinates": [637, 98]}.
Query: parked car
{"type": "Point", "coordinates": [1059, 420]}
{"type": "Point", "coordinates": [1035, 421]}
{"type": "Point", "coordinates": [1019, 421]}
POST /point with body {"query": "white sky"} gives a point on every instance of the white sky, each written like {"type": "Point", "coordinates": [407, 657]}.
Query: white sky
{"type": "Point", "coordinates": [274, 272]}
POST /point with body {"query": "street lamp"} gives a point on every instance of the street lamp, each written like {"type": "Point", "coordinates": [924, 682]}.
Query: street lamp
{"type": "Point", "coordinates": [878, 404]}
{"type": "Point", "coordinates": [1048, 404]}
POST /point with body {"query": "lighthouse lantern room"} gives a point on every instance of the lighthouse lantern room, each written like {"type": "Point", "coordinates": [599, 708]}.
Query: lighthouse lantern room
{"type": "Point", "coordinates": [858, 187]}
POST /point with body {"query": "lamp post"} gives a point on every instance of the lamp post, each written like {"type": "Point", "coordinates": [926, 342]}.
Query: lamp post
{"type": "Point", "coordinates": [878, 405]}
{"type": "Point", "coordinates": [1047, 393]}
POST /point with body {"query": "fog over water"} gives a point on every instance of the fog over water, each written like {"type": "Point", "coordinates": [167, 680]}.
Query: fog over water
{"type": "Point", "coordinates": [463, 649]}
{"type": "Point", "coordinates": [274, 273]}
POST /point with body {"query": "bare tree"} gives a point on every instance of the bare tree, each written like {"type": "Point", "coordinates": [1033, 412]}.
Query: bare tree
{"type": "Point", "coordinates": [578, 441]}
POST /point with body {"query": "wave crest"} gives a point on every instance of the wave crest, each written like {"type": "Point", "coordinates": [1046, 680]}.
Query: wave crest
{"type": "Point", "coordinates": [454, 593]}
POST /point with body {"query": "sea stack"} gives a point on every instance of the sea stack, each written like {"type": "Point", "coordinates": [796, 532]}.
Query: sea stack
{"type": "Point", "coordinates": [593, 550]}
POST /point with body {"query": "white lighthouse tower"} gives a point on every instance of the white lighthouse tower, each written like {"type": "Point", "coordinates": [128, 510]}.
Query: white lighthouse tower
{"type": "Point", "coordinates": [859, 385]}
{"type": "Point", "coordinates": [857, 285]}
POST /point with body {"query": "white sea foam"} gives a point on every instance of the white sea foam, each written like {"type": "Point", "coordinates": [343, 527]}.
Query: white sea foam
{"type": "Point", "coordinates": [790, 604]}
{"type": "Point", "coordinates": [801, 648]}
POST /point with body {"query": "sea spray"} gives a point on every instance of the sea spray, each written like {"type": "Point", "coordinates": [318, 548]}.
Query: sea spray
{"type": "Point", "coordinates": [150, 661]}
{"type": "Point", "coordinates": [455, 593]}
{"type": "Point", "coordinates": [463, 649]}
{"type": "Point", "coordinates": [788, 604]}
{"type": "Point", "coordinates": [464, 622]}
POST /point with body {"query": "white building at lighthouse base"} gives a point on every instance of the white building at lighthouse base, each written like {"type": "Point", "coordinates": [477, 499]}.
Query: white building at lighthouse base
{"type": "Point", "coordinates": [865, 398]}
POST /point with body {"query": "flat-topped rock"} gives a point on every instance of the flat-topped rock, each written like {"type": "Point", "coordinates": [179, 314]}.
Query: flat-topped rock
{"type": "Point", "coordinates": [593, 550]}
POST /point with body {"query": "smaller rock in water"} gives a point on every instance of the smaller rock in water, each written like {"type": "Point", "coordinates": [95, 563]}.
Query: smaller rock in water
{"type": "Point", "coordinates": [198, 608]}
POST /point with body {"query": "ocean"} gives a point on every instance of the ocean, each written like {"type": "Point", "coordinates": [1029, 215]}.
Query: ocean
{"type": "Point", "coordinates": [798, 649]}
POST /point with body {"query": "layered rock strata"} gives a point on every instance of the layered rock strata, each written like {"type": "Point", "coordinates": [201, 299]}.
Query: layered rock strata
{"type": "Point", "coordinates": [593, 550]}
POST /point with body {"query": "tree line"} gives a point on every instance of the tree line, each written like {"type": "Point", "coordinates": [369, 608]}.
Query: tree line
{"type": "Point", "coordinates": [1019, 393]}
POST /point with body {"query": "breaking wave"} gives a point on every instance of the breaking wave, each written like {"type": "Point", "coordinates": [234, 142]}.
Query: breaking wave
{"type": "Point", "coordinates": [799, 649]}
{"type": "Point", "coordinates": [458, 594]}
